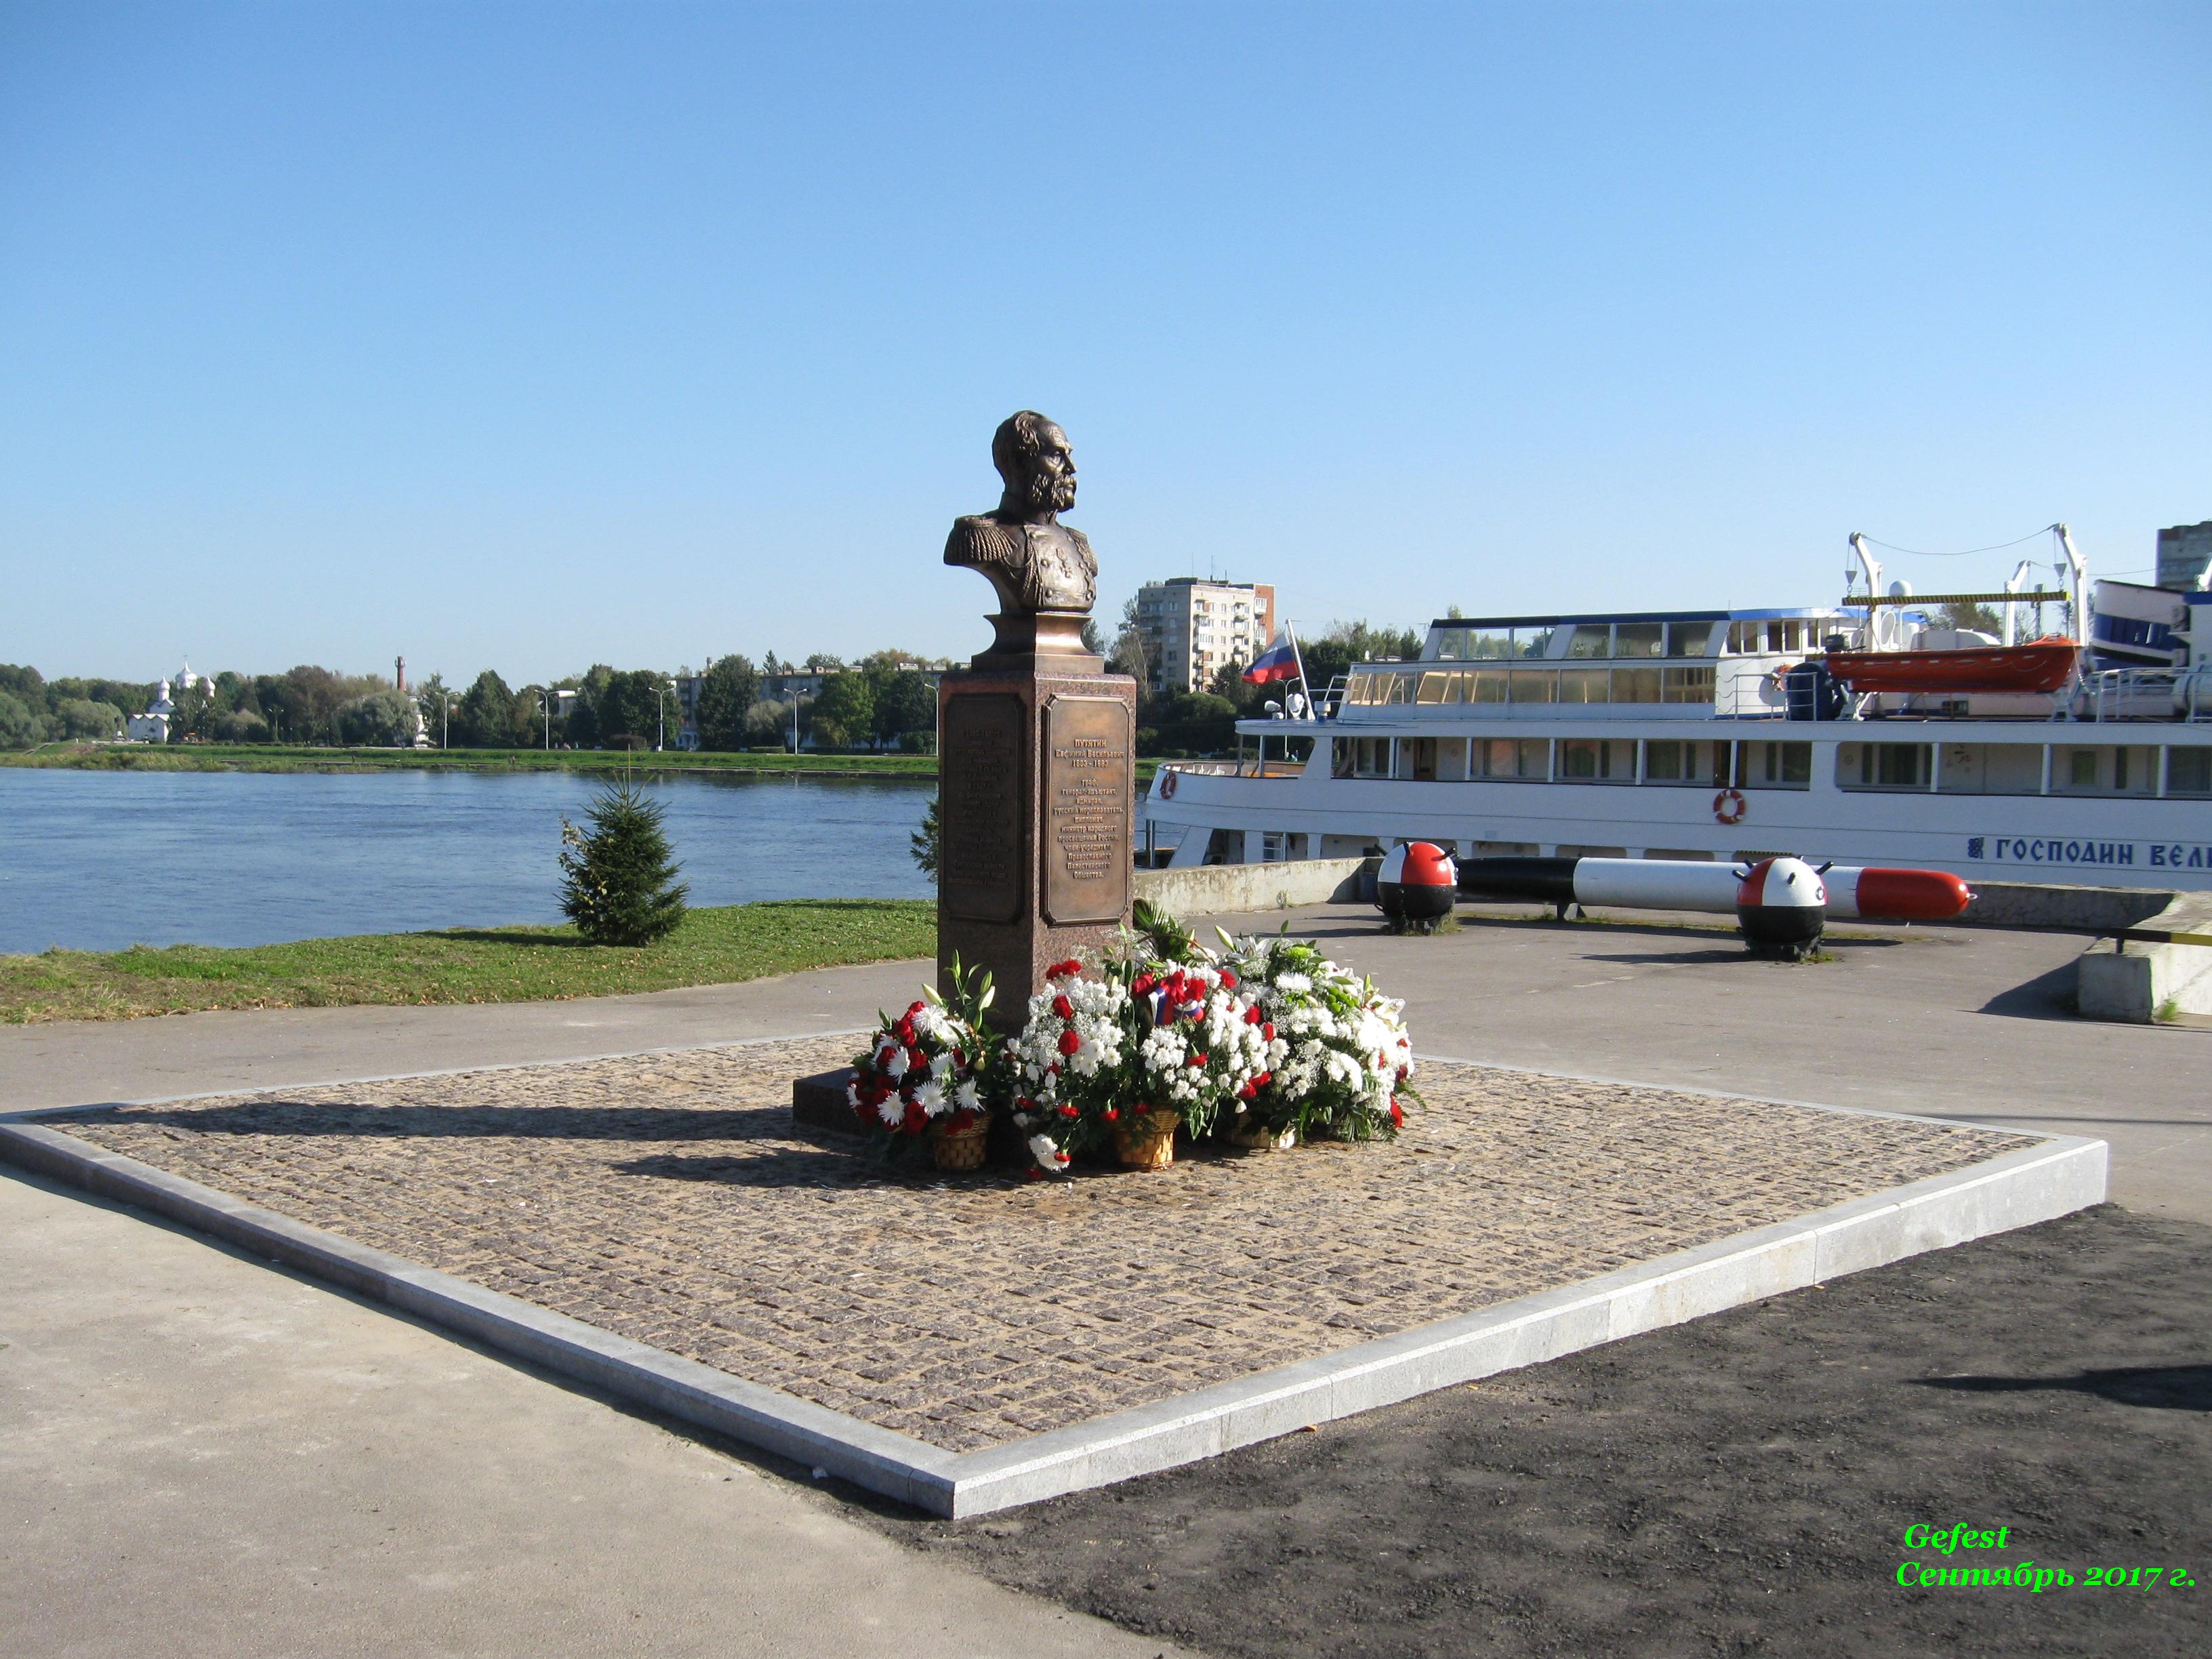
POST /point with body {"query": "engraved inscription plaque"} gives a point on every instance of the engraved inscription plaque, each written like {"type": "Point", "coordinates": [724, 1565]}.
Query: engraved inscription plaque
{"type": "Point", "coordinates": [1087, 806]}
{"type": "Point", "coordinates": [980, 873]}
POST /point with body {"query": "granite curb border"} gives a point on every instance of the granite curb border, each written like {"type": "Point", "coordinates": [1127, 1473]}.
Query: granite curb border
{"type": "Point", "coordinates": [2040, 1182]}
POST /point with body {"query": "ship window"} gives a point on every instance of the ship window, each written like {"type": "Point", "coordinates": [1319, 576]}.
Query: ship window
{"type": "Point", "coordinates": [2081, 769]}
{"type": "Point", "coordinates": [1688, 639]}
{"type": "Point", "coordinates": [1686, 684]}
{"type": "Point", "coordinates": [2189, 771]}
{"type": "Point", "coordinates": [1535, 684]}
{"type": "Point", "coordinates": [1532, 641]}
{"type": "Point", "coordinates": [1636, 684]}
{"type": "Point", "coordinates": [1451, 758]}
{"type": "Point", "coordinates": [1881, 765]}
{"type": "Point", "coordinates": [1598, 760]}
{"type": "Point", "coordinates": [1591, 640]}
{"type": "Point", "coordinates": [1700, 764]}
{"type": "Point", "coordinates": [1777, 765]}
{"type": "Point", "coordinates": [1992, 769]}
{"type": "Point", "coordinates": [1417, 758]}
{"type": "Point", "coordinates": [1489, 685]}
{"type": "Point", "coordinates": [1370, 758]}
{"type": "Point", "coordinates": [1639, 640]}
{"type": "Point", "coordinates": [1584, 684]}
{"type": "Point", "coordinates": [1467, 645]}
{"type": "Point", "coordinates": [1493, 757]}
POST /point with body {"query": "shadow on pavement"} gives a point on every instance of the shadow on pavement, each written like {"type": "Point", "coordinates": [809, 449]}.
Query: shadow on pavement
{"type": "Point", "coordinates": [279, 1117]}
{"type": "Point", "coordinates": [2047, 996]}
{"type": "Point", "coordinates": [2170, 1387]}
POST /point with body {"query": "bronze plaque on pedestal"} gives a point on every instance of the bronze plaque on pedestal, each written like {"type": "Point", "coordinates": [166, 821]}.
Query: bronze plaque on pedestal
{"type": "Point", "coordinates": [1088, 786]}
{"type": "Point", "coordinates": [984, 804]}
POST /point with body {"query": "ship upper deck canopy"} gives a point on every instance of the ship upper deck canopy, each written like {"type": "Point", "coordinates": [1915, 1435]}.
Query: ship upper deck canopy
{"type": "Point", "coordinates": [1612, 633]}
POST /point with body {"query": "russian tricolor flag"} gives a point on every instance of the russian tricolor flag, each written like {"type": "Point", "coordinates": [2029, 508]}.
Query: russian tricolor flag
{"type": "Point", "coordinates": [1279, 661]}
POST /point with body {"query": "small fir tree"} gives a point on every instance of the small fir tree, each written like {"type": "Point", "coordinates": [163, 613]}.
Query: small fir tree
{"type": "Point", "coordinates": [929, 842]}
{"type": "Point", "coordinates": [617, 878]}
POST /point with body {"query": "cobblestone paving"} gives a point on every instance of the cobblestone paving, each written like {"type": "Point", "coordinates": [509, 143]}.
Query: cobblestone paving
{"type": "Point", "coordinates": [664, 1197]}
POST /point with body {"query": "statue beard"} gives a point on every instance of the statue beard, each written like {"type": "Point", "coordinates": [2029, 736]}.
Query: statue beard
{"type": "Point", "coordinates": [1047, 493]}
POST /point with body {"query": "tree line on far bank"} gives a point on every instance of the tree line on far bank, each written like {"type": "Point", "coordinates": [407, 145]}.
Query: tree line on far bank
{"type": "Point", "coordinates": [886, 700]}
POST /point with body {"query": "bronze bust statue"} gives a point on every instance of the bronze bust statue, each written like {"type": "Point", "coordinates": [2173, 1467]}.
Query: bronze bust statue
{"type": "Point", "coordinates": [1034, 561]}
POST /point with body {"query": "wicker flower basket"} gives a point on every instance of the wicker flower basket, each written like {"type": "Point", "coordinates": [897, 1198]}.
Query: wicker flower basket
{"type": "Point", "coordinates": [1256, 1137]}
{"type": "Point", "coordinates": [961, 1149]}
{"type": "Point", "coordinates": [1147, 1142]}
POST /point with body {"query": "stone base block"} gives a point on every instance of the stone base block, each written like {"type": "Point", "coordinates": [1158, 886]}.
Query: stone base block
{"type": "Point", "coordinates": [818, 1102]}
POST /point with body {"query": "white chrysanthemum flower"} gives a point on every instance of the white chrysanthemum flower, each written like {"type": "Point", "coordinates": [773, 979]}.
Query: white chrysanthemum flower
{"type": "Point", "coordinates": [968, 1097]}
{"type": "Point", "coordinates": [931, 1098]}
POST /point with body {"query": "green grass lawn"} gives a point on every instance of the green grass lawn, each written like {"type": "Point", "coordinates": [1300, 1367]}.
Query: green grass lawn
{"type": "Point", "coordinates": [484, 964]}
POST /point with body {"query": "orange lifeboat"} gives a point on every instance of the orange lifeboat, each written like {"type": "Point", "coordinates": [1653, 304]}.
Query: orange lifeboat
{"type": "Point", "coordinates": [2040, 665]}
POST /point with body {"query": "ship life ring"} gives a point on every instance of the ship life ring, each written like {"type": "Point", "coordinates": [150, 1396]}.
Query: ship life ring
{"type": "Point", "coordinates": [1728, 806]}
{"type": "Point", "coordinates": [1168, 777]}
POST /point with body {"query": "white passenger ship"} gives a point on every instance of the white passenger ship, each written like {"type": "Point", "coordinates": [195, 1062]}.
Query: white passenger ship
{"type": "Point", "coordinates": [1684, 735]}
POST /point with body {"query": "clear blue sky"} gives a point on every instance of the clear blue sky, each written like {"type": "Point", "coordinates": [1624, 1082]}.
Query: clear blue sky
{"type": "Point", "coordinates": [533, 336]}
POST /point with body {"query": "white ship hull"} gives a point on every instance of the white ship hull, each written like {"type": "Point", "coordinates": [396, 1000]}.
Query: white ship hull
{"type": "Point", "coordinates": [2109, 839]}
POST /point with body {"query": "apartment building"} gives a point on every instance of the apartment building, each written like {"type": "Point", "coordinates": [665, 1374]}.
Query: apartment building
{"type": "Point", "coordinates": [1192, 628]}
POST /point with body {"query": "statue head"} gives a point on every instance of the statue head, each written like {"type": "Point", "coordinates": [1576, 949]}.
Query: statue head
{"type": "Point", "coordinates": [1032, 454]}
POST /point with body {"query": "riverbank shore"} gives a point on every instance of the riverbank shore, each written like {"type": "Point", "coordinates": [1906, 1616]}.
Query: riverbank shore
{"type": "Point", "coordinates": [303, 757]}
{"type": "Point", "coordinates": [713, 947]}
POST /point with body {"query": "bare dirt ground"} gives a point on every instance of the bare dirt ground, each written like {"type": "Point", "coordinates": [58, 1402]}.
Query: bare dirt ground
{"type": "Point", "coordinates": [1738, 1486]}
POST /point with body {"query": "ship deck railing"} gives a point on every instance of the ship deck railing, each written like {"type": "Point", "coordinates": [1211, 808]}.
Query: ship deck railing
{"type": "Point", "coordinates": [2146, 694]}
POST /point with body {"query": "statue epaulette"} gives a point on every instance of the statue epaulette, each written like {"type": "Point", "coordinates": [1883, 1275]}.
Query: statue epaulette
{"type": "Point", "coordinates": [983, 540]}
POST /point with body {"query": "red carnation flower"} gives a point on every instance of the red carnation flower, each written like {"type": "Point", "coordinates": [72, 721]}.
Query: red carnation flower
{"type": "Point", "coordinates": [1267, 1031]}
{"type": "Point", "coordinates": [1062, 1006]}
{"type": "Point", "coordinates": [915, 1008]}
{"type": "Point", "coordinates": [1263, 1080]}
{"type": "Point", "coordinates": [1228, 980]}
{"type": "Point", "coordinates": [1069, 1043]}
{"type": "Point", "coordinates": [1247, 1092]}
{"type": "Point", "coordinates": [1059, 1157]}
{"type": "Point", "coordinates": [1023, 1104]}
{"type": "Point", "coordinates": [1401, 1074]}
{"type": "Point", "coordinates": [1197, 1060]}
{"type": "Point", "coordinates": [1067, 1111]}
{"type": "Point", "coordinates": [1112, 1113]}
{"type": "Point", "coordinates": [1252, 1015]}
{"type": "Point", "coordinates": [1142, 985]}
{"type": "Point", "coordinates": [1397, 1116]}
{"type": "Point", "coordinates": [916, 1120]}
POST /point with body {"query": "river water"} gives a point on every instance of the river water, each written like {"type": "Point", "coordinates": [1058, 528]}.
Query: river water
{"type": "Point", "coordinates": [97, 860]}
